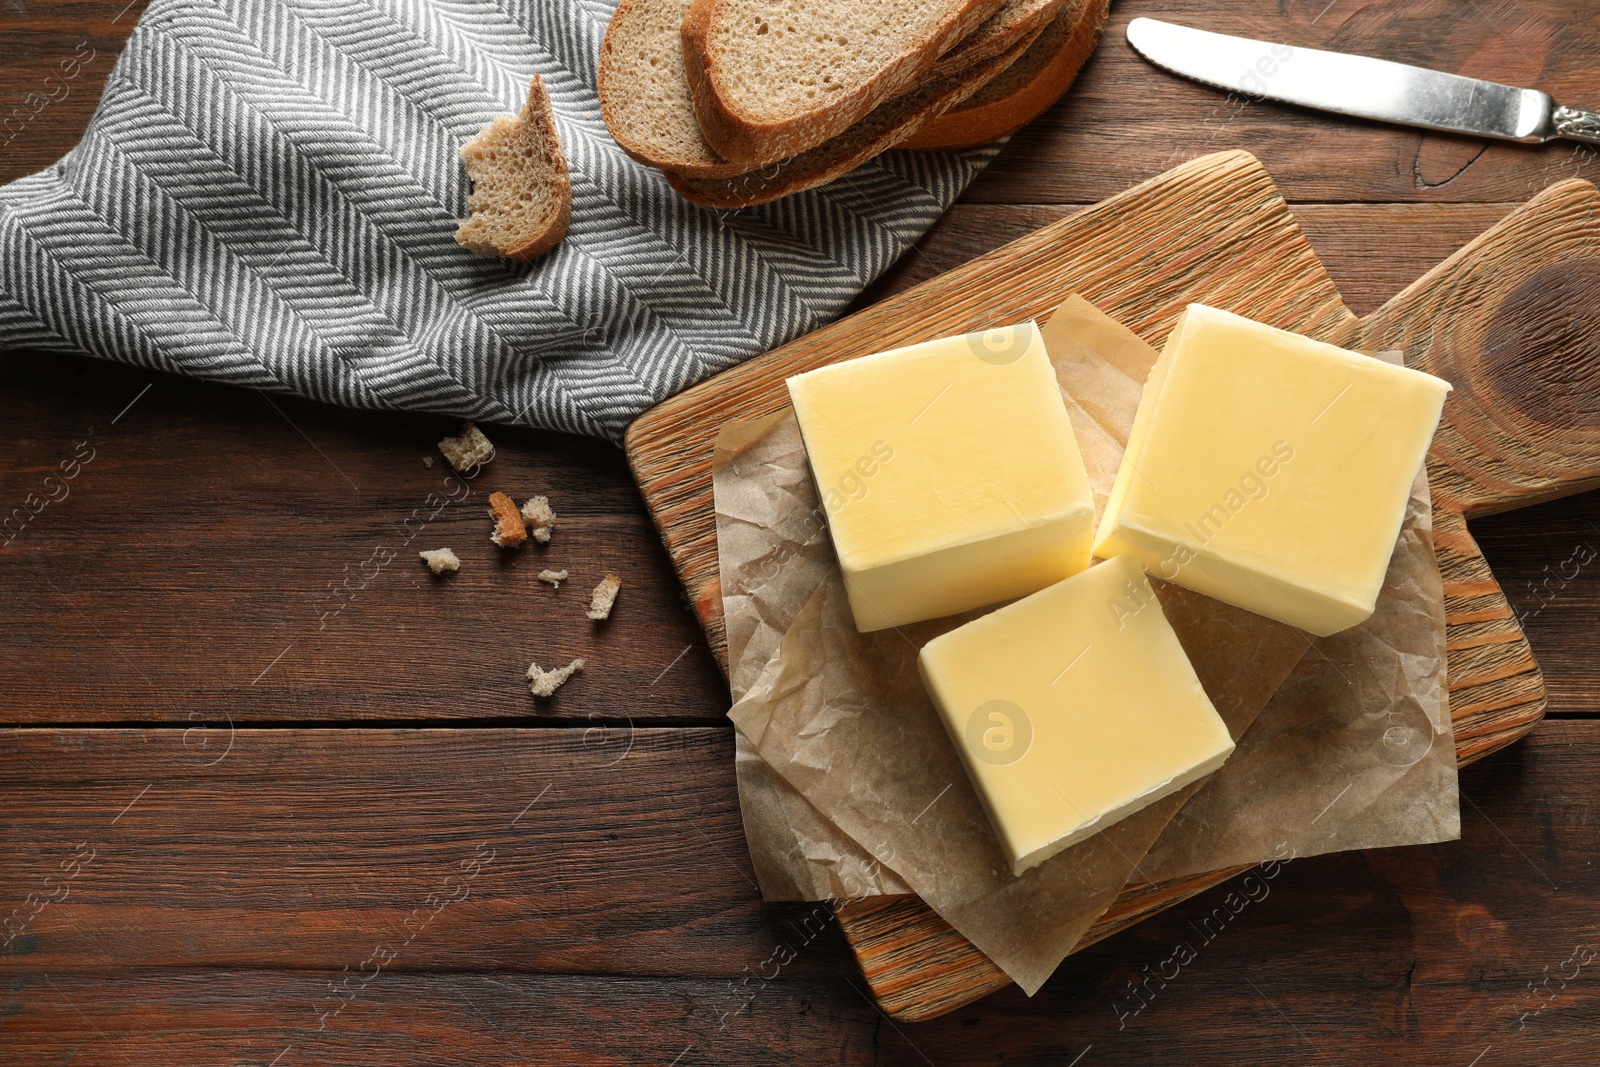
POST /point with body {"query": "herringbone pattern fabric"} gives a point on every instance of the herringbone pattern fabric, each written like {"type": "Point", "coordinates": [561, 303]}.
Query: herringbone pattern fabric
{"type": "Point", "coordinates": [269, 192]}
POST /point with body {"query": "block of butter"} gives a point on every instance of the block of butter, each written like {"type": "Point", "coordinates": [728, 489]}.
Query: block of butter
{"type": "Point", "coordinates": [1269, 470]}
{"type": "Point", "coordinates": [949, 474]}
{"type": "Point", "coordinates": [1073, 708]}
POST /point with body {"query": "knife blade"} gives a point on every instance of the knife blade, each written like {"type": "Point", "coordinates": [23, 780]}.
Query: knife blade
{"type": "Point", "coordinates": [1361, 86]}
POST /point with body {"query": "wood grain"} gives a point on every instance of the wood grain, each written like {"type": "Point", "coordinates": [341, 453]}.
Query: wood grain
{"type": "Point", "coordinates": [1485, 319]}
{"type": "Point", "coordinates": [1418, 955]}
{"type": "Point", "coordinates": [302, 848]}
{"type": "Point", "coordinates": [1424, 956]}
{"type": "Point", "coordinates": [1355, 242]}
{"type": "Point", "coordinates": [1126, 121]}
{"type": "Point", "coordinates": [1515, 318]}
{"type": "Point", "coordinates": [453, 1019]}
{"type": "Point", "coordinates": [57, 59]}
{"type": "Point", "coordinates": [278, 538]}
{"type": "Point", "coordinates": [1544, 560]}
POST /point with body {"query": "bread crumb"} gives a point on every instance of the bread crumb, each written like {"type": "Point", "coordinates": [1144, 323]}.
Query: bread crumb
{"type": "Point", "coordinates": [467, 449]}
{"type": "Point", "coordinates": [508, 530]}
{"type": "Point", "coordinates": [440, 560]}
{"type": "Point", "coordinates": [427, 461]}
{"type": "Point", "coordinates": [604, 595]}
{"type": "Point", "coordinates": [540, 519]}
{"type": "Point", "coordinates": [546, 682]}
{"type": "Point", "coordinates": [555, 578]}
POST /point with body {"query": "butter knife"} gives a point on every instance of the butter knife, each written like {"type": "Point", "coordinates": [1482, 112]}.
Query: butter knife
{"type": "Point", "coordinates": [1361, 86]}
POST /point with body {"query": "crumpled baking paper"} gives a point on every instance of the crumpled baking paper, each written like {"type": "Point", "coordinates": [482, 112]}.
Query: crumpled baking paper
{"type": "Point", "coordinates": [847, 777]}
{"type": "Point", "coordinates": [764, 488]}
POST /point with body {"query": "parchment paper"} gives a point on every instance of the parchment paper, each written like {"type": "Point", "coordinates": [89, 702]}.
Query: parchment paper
{"type": "Point", "coordinates": [843, 721]}
{"type": "Point", "coordinates": [773, 552]}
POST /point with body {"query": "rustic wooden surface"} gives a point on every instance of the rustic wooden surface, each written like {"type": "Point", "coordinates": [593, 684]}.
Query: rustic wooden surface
{"type": "Point", "coordinates": [621, 926]}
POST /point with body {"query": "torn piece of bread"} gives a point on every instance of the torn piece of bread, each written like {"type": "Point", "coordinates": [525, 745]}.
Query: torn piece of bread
{"type": "Point", "coordinates": [554, 578]}
{"type": "Point", "coordinates": [521, 199]}
{"type": "Point", "coordinates": [509, 530]}
{"type": "Point", "coordinates": [427, 461]}
{"type": "Point", "coordinates": [467, 449]}
{"type": "Point", "coordinates": [544, 683]}
{"type": "Point", "coordinates": [772, 80]}
{"type": "Point", "coordinates": [540, 519]}
{"type": "Point", "coordinates": [604, 595]}
{"type": "Point", "coordinates": [440, 560]}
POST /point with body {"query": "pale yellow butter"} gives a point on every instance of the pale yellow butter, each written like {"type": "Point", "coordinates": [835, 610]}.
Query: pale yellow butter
{"type": "Point", "coordinates": [1271, 471]}
{"type": "Point", "coordinates": [949, 474]}
{"type": "Point", "coordinates": [1073, 709]}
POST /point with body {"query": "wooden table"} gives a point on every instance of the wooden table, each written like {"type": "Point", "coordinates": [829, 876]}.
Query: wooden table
{"type": "Point", "coordinates": [240, 826]}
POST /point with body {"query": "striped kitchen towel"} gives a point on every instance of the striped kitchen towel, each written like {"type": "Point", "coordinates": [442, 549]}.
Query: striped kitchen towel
{"type": "Point", "coordinates": [269, 191]}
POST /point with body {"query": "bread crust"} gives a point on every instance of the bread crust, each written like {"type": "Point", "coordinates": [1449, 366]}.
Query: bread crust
{"type": "Point", "coordinates": [989, 116]}
{"type": "Point", "coordinates": [539, 243]}
{"type": "Point", "coordinates": [742, 138]}
{"type": "Point", "coordinates": [1015, 20]}
{"type": "Point", "coordinates": [888, 125]}
{"type": "Point", "coordinates": [509, 530]}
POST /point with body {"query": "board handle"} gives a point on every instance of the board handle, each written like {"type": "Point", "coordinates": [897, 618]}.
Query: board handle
{"type": "Point", "coordinates": [1513, 322]}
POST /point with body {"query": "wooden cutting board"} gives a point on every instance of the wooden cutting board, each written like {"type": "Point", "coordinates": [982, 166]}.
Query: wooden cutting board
{"type": "Point", "coordinates": [1513, 320]}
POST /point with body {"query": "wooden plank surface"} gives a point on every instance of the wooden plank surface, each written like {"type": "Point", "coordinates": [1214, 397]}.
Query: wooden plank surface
{"type": "Point", "coordinates": [1419, 955]}
{"type": "Point", "coordinates": [1125, 122]}
{"type": "Point", "coordinates": [280, 537]}
{"type": "Point", "coordinates": [1434, 955]}
{"type": "Point", "coordinates": [439, 660]}
{"type": "Point", "coordinates": [301, 848]}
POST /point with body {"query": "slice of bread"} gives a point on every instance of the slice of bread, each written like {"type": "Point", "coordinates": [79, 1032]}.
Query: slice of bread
{"type": "Point", "coordinates": [644, 90]}
{"type": "Point", "coordinates": [773, 80]}
{"type": "Point", "coordinates": [1016, 20]}
{"type": "Point", "coordinates": [1026, 90]}
{"type": "Point", "coordinates": [521, 200]}
{"type": "Point", "coordinates": [886, 126]}
{"type": "Point", "coordinates": [644, 87]}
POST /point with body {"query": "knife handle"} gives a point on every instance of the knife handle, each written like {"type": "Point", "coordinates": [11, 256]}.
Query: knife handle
{"type": "Point", "coordinates": [1576, 124]}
